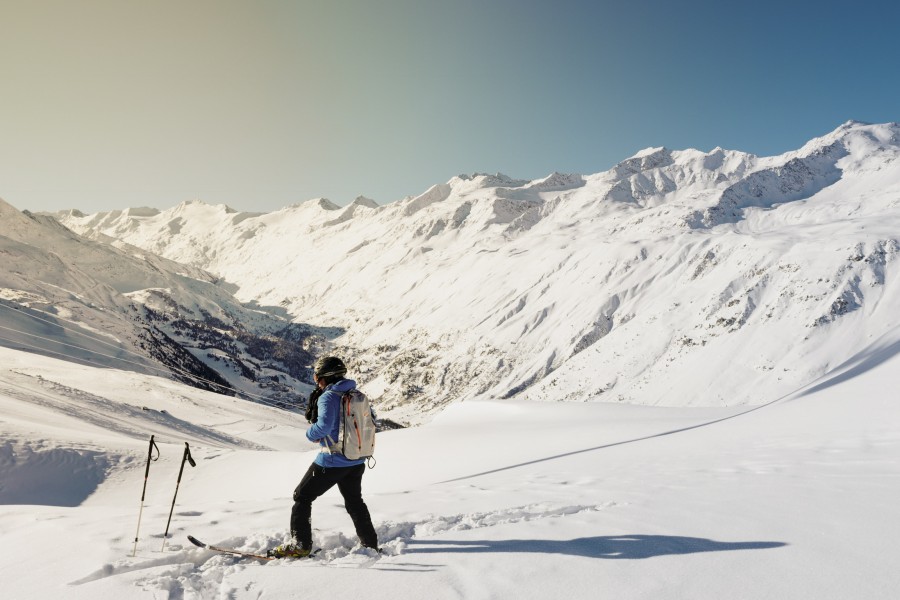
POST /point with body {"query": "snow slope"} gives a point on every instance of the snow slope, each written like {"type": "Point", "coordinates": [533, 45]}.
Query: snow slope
{"type": "Point", "coordinates": [676, 278]}
{"type": "Point", "coordinates": [792, 499]}
{"type": "Point", "coordinates": [105, 302]}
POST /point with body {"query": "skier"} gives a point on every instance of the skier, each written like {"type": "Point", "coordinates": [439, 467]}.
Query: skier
{"type": "Point", "coordinates": [330, 468]}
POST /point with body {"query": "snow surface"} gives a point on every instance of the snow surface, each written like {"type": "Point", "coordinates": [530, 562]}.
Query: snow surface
{"type": "Point", "coordinates": [793, 499]}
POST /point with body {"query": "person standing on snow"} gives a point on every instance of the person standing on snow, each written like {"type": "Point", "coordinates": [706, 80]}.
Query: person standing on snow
{"type": "Point", "coordinates": [330, 468]}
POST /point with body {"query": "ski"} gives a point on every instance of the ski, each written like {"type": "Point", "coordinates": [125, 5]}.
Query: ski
{"type": "Point", "coordinates": [231, 551]}
{"type": "Point", "coordinates": [239, 553]}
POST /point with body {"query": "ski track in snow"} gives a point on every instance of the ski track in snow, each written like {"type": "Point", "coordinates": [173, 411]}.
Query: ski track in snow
{"type": "Point", "coordinates": [199, 573]}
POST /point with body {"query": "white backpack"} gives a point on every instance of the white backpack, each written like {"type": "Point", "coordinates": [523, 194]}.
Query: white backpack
{"type": "Point", "coordinates": [356, 436]}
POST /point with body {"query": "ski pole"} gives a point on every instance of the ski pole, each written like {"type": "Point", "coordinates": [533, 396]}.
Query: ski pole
{"type": "Point", "coordinates": [143, 493]}
{"type": "Point", "coordinates": [187, 457]}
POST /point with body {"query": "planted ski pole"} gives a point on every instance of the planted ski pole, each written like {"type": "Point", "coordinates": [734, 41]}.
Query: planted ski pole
{"type": "Point", "coordinates": [187, 457]}
{"type": "Point", "coordinates": [144, 492]}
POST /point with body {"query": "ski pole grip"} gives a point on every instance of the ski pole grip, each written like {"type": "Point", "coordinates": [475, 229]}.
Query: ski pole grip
{"type": "Point", "coordinates": [187, 455]}
{"type": "Point", "coordinates": [150, 456]}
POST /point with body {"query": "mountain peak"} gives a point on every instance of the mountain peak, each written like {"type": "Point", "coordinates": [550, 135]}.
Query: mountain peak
{"type": "Point", "coordinates": [137, 211]}
{"type": "Point", "coordinates": [644, 160]}
{"type": "Point", "coordinates": [487, 180]}
{"type": "Point", "coordinates": [321, 203]}
{"type": "Point", "coordinates": [857, 138]}
{"type": "Point", "coordinates": [558, 181]}
{"type": "Point", "coordinates": [850, 124]}
{"type": "Point", "coordinates": [363, 201]}
{"type": "Point", "coordinates": [186, 205]}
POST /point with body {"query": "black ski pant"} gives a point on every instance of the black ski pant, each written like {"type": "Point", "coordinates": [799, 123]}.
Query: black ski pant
{"type": "Point", "coordinates": [319, 480]}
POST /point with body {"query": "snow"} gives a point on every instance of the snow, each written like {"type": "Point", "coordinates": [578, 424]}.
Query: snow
{"type": "Point", "coordinates": [792, 499]}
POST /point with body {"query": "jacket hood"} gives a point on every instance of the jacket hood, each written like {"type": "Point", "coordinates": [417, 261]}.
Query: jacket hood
{"type": "Point", "coordinates": [344, 385]}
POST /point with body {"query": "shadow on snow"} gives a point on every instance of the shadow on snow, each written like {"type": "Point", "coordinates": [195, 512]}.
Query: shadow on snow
{"type": "Point", "coordinates": [630, 547]}
{"type": "Point", "coordinates": [873, 356]}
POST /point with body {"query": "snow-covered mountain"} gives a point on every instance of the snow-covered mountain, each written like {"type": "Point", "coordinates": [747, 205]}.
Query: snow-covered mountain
{"type": "Point", "coordinates": [613, 286]}
{"type": "Point", "coordinates": [116, 305]}
{"type": "Point", "coordinates": [761, 273]}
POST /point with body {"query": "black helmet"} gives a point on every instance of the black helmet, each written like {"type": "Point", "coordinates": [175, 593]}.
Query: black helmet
{"type": "Point", "coordinates": [328, 366]}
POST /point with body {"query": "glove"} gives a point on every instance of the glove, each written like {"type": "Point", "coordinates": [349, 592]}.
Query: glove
{"type": "Point", "coordinates": [312, 406]}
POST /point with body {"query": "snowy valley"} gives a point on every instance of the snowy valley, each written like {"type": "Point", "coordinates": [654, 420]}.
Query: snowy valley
{"type": "Point", "coordinates": [761, 273]}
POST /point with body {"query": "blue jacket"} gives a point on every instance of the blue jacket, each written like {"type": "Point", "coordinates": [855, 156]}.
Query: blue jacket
{"type": "Point", "coordinates": [329, 424]}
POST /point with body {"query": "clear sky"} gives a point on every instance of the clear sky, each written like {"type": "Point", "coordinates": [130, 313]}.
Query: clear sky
{"type": "Point", "coordinates": [260, 104]}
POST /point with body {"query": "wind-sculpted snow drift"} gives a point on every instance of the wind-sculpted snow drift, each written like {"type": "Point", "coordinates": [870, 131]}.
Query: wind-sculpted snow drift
{"type": "Point", "coordinates": [760, 273]}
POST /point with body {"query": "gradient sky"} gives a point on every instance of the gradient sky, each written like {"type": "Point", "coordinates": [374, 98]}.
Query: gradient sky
{"type": "Point", "coordinates": [260, 104]}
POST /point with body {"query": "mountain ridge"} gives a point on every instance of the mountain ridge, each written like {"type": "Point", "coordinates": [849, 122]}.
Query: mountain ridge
{"type": "Point", "coordinates": [596, 286]}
